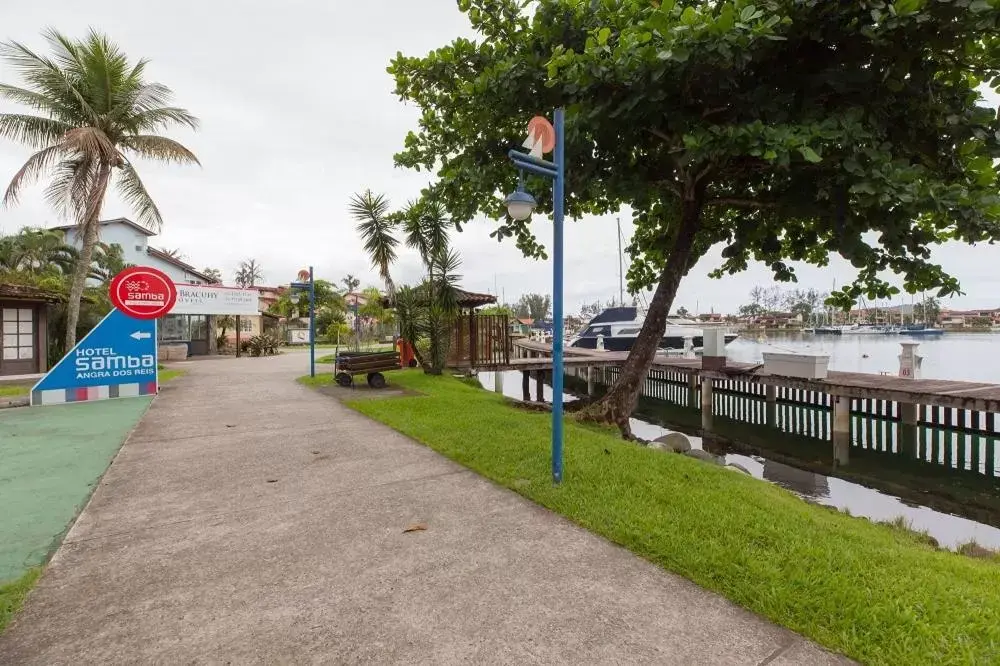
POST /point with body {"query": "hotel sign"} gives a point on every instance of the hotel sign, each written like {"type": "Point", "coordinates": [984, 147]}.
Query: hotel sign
{"type": "Point", "coordinates": [215, 300]}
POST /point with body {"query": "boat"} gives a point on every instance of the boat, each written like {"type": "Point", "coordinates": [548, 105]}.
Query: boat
{"type": "Point", "coordinates": [620, 326]}
{"type": "Point", "coordinates": [829, 330]}
{"type": "Point", "coordinates": [921, 331]}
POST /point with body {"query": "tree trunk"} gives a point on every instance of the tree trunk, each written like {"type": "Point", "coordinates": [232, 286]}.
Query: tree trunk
{"type": "Point", "coordinates": [90, 229]}
{"type": "Point", "coordinates": [620, 401]}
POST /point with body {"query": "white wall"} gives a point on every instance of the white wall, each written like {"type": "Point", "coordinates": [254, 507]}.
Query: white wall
{"type": "Point", "coordinates": [133, 241]}
{"type": "Point", "coordinates": [134, 244]}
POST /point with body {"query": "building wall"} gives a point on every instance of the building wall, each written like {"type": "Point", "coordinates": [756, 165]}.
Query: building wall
{"type": "Point", "coordinates": [132, 241]}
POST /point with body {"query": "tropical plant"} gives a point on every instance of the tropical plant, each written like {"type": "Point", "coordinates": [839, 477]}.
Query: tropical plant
{"type": "Point", "coordinates": [262, 345]}
{"type": "Point", "coordinates": [249, 273]}
{"type": "Point", "coordinates": [783, 130]}
{"type": "Point", "coordinates": [350, 283]}
{"type": "Point", "coordinates": [429, 309]}
{"type": "Point", "coordinates": [96, 112]}
{"type": "Point", "coordinates": [224, 323]}
{"type": "Point", "coordinates": [213, 274]}
{"type": "Point", "coordinates": [37, 251]}
{"type": "Point", "coordinates": [109, 261]}
{"type": "Point", "coordinates": [173, 254]}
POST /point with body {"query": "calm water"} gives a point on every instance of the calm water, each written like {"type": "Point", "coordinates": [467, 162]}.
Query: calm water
{"type": "Point", "coordinates": [964, 356]}
{"type": "Point", "coordinates": [949, 530]}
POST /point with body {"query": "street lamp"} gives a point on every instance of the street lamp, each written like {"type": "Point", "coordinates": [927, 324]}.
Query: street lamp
{"type": "Point", "coordinates": [309, 286]}
{"type": "Point", "coordinates": [543, 137]}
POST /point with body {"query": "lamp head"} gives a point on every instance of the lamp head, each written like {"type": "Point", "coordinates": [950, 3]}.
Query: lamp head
{"type": "Point", "coordinates": [520, 204]}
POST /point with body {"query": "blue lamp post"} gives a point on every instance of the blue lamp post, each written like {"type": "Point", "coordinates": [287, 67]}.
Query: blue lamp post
{"type": "Point", "coordinates": [309, 286]}
{"type": "Point", "coordinates": [520, 205]}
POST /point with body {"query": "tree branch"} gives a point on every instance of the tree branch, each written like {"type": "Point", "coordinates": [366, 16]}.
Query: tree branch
{"type": "Point", "coordinates": [741, 203]}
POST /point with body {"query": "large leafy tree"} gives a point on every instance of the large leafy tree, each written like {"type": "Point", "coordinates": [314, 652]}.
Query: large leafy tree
{"type": "Point", "coordinates": [95, 112]}
{"type": "Point", "coordinates": [781, 129]}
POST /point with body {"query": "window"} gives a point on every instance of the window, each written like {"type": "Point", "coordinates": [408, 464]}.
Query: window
{"type": "Point", "coordinates": [182, 328]}
{"type": "Point", "coordinates": [18, 334]}
{"type": "Point", "coordinates": [246, 325]}
{"type": "Point", "coordinates": [629, 331]}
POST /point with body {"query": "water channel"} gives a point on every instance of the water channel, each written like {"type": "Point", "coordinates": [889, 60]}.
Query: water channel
{"type": "Point", "coordinates": [953, 356]}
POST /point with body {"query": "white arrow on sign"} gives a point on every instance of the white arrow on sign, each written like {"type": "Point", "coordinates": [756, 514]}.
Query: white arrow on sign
{"type": "Point", "coordinates": [139, 335]}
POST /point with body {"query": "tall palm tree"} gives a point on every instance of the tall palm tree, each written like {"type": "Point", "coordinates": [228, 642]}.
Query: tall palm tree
{"type": "Point", "coordinates": [96, 112]}
{"type": "Point", "coordinates": [429, 309]}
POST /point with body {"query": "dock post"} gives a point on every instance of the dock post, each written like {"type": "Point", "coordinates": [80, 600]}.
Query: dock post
{"type": "Point", "coordinates": [909, 361]}
{"type": "Point", "coordinates": [771, 405]}
{"type": "Point", "coordinates": [540, 386]}
{"type": "Point", "coordinates": [693, 390]}
{"type": "Point", "coordinates": [498, 380]}
{"type": "Point", "coordinates": [591, 381]}
{"type": "Point", "coordinates": [908, 429]}
{"type": "Point", "coordinates": [526, 385]}
{"type": "Point", "coordinates": [841, 429]}
{"type": "Point", "coordinates": [706, 404]}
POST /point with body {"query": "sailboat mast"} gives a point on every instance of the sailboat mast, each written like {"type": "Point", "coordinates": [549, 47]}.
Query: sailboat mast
{"type": "Point", "coordinates": [621, 277]}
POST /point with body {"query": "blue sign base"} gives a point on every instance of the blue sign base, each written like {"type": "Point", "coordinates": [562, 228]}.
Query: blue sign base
{"type": "Point", "coordinates": [116, 359]}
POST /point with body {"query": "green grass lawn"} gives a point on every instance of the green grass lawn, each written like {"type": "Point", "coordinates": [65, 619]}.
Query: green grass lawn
{"type": "Point", "coordinates": [14, 391]}
{"type": "Point", "coordinates": [878, 594]}
{"type": "Point", "coordinates": [13, 594]}
{"type": "Point", "coordinates": [167, 375]}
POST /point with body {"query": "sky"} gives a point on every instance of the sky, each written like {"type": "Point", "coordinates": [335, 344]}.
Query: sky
{"type": "Point", "coordinates": [297, 114]}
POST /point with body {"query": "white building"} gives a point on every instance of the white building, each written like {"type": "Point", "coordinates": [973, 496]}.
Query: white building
{"type": "Point", "coordinates": [198, 331]}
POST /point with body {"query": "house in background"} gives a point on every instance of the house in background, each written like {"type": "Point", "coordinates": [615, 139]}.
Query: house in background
{"type": "Point", "coordinates": [259, 324]}
{"type": "Point", "coordinates": [24, 327]}
{"type": "Point", "coordinates": [196, 331]}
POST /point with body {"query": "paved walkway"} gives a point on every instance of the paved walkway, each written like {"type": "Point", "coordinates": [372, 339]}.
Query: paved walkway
{"type": "Point", "coordinates": [251, 520]}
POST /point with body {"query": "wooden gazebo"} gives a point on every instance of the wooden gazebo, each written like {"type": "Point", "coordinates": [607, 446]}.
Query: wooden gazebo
{"type": "Point", "coordinates": [477, 341]}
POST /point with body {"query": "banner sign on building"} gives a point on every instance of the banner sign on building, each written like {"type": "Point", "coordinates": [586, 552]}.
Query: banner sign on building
{"type": "Point", "coordinates": [201, 299]}
{"type": "Point", "coordinates": [117, 359]}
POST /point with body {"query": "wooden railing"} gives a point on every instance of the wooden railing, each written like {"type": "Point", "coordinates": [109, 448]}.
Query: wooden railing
{"type": "Point", "coordinates": [480, 341]}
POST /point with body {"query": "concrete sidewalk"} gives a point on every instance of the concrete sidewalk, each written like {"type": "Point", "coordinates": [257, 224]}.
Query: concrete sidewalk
{"type": "Point", "coordinates": [251, 520]}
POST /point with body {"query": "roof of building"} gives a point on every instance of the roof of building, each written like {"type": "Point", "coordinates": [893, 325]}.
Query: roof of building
{"type": "Point", "coordinates": [21, 292]}
{"type": "Point", "coordinates": [163, 256]}
{"type": "Point", "coordinates": [465, 299]}
{"type": "Point", "coordinates": [527, 321]}
{"type": "Point", "coordinates": [121, 220]}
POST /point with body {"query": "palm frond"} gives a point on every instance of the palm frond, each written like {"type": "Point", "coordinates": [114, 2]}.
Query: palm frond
{"type": "Point", "coordinates": [30, 172]}
{"type": "Point", "coordinates": [151, 120]}
{"type": "Point", "coordinates": [445, 280]}
{"type": "Point", "coordinates": [33, 100]}
{"type": "Point", "coordinates": [434, 226]}
{"type": "Point", "coordinates": [47, 78]}
{"type": "Point", "coordinates": [91, 141]}
{"type": "Point", "coordinates": [134, 193]}
{"type": "Point", "coordinates": [33, 131]}
{"type": "Point", "coordinates": [68, 190]}
{"type": "Point", "coordinates": [160, 148]}
{"type": "Point", "coordinates": [375, 226]}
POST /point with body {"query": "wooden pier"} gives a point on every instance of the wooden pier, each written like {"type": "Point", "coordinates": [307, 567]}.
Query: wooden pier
{"type": "Point", "coordinates": [968, 408]}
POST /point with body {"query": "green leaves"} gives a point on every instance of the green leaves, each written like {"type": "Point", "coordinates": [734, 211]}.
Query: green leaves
{"type": "Point", "coordinates": [805, 127]}
{"type": "Point", "coordinates": [810, 155]}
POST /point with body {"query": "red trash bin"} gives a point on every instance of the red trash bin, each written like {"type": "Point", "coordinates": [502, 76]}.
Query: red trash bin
{"type": "Point", "coordinates": [406, 356]}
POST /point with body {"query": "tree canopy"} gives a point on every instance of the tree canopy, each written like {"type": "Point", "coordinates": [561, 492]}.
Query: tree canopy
{"type": "Point", "coordinates": [786, 129]}
{"type": "Point", "coordinates": [781, 129]}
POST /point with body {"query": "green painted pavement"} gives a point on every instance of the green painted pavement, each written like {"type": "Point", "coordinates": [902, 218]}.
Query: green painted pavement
{"type": "Point", "coordinates": [50, 460]}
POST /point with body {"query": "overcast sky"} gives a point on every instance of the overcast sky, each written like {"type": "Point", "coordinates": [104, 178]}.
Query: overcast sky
{"type": "Point", "coordinates": [298, 113]}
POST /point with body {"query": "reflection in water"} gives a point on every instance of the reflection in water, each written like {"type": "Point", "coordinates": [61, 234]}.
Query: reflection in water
{"type": "Point", "coordinates": [950, 531]}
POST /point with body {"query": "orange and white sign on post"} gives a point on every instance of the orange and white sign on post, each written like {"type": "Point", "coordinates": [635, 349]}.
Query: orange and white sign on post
{"type": "Point", "coordinates": [541, 137]}
{"type": "Point", "coordinates": [143, 292]}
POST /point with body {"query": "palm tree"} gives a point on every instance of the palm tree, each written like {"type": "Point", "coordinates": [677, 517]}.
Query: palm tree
{"type": "Point", "coordinates": [350, 283]}
{"type": "Point", "coordinates": [249, 273]}
{"type": "Point", "coordinates": [37, 251]}
{"type": "Point", "coordinates": [427, 311]}
{"type": "Point", "coordinates": [173, 254]}
{"type": "Point", "coordinates": [96, 112]}
{"type": "Point", "coordinates": [109, 261]}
